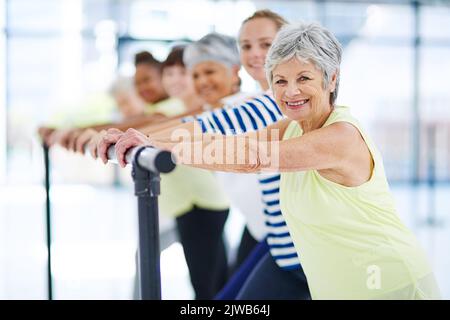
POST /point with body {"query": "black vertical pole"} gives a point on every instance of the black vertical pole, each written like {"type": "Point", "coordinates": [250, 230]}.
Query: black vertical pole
{"type": "Point", "coordinates": [147, 189]}
{"type": "Point", "coordinates": [48, 222]}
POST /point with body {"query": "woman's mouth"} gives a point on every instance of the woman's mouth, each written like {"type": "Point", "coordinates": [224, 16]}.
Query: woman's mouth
{"type": "Point", "coordinates": [297, 104]}
{"type": "Point", "coordinates": [256, 65]}
{"type": "Point", "coordinates": [206, 91]}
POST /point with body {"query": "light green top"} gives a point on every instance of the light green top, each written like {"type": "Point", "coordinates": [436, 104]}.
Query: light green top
{"type": "Point", "coordinates": [169, 107]}
{"type": "Point", "coordinates": [351, 243]}
{"type": "Point", "coordinates": [185, 186]}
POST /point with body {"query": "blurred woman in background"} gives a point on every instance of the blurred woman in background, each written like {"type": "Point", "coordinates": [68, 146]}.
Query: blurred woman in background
{"type": "Point", "coordinates": [128, 102]}
{"type": "Point", "coordinates": [194, 197]}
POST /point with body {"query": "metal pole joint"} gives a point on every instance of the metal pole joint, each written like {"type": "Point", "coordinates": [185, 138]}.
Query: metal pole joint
{"type": "Point", "coordinates": [146, 182]}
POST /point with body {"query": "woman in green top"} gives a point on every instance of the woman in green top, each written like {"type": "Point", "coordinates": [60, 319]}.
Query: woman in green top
{"type": "Point", "coordinates": [334, 192]}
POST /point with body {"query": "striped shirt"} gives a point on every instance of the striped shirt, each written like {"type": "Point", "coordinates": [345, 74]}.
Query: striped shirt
{"type": "Point", "coordinates": [254, 114]}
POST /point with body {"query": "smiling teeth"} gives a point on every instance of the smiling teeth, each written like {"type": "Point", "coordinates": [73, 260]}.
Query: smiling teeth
{"type": "Point", "coordinates": [299, 103]}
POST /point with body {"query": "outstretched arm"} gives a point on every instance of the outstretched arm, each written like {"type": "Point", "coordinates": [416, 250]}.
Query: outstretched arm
{"type": "Point", "coordinates": [338, 147]}
{"type": "Point", "coordinates": [248, 152]}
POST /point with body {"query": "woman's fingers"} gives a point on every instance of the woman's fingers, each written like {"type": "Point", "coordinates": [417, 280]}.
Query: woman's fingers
{"type": "Point", "coordinates": [100, 142]}
{"type": "Point", "coordinates": [130, 139]}
{"type": "Point", "coordinates": [83, 139]}
{"type": "Point", "coordinates": [64, 138]}
{"type": "Point", "coordinates": [114, 131]}
{"type": "Point", "coordinates": [72, 139]}
{"type": "Point", "coordinates": [122, 146]}
{"type": "Point", "coordinates": [104, 143]}
{"type": "Point", "coordinates": [92, 145]}
{"type": "Point", "coordinates": [54, 137]}
{"type": "Point", "coordinates": [44, 133]}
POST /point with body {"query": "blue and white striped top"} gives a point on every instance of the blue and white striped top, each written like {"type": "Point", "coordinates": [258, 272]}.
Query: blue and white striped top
{"type": "Point", "coordinates": [254, 114]}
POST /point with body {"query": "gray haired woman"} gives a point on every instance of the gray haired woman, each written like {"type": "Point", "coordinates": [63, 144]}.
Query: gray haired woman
{"type": "Point", "coordinates": [334, 193]}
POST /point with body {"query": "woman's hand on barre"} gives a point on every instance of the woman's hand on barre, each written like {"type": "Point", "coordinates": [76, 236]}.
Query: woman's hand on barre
{"type": "Point", "coordinates": [99, 147]}
{"type": "Point", "coordinates": [92, 144]}
{"type": "Point", "coordinates": [61, 137]}
{"type": "Point", "coordinates": [73, 137]}
{"type": "Point", "coordinates": [45, 132]}
{"type": "Point", "coordinates": [131, 138]}
{"type": "Point", "coordinates": [83, 139]}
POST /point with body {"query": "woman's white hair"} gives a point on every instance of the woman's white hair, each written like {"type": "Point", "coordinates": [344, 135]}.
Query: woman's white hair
{"type": "Point", "coordinates": [307, 42]}
{"type": "Point", "coordinates": [212, 47]}
{"type": "Point", "coordinates": [121, 85]}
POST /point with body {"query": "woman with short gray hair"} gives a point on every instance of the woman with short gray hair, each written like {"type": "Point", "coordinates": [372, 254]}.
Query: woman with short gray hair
{"type": "Point", "coordinates": [308, 42]}
{"type": "Point", "coordinates": [334, 193]}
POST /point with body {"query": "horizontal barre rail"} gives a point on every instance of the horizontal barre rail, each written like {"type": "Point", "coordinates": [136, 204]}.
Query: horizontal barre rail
{"type": "Point", "coordinates": [154, 160]}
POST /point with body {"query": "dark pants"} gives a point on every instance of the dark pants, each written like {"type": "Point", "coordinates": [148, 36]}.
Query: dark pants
{"type": "Point", "coordinates": [238, 279]}
{"type": "Point", "coordinates": [246, 246]}
{"type": "Point", "coordinates": [269, 282]}
{"type": "Point", "coordinates": [201, 235]}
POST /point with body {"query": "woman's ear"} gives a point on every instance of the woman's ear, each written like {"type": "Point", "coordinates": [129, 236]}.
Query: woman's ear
{"type": "Point", "coordinates": [332, 85]}
{"type": "Point", "coordinates": [235, 78]}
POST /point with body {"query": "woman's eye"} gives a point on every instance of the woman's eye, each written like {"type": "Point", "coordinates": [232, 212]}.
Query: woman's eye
{"type": "Point", "coordinates": [266, 45]}
{"type": "Point", "coordinates": [280, 81]}
{"type": "Point", "coordinates": [303, 78]}
{"type": "Point", "coordinates": [245, 47]}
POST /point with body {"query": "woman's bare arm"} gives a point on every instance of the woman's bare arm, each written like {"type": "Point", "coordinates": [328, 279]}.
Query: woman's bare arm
{"type": "Point", "coordinates": [238, 153]}
{"type": "Point", "coordinates": [331, 147]}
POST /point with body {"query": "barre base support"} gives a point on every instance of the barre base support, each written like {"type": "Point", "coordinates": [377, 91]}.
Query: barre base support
{"type": "Point", "coordinates": [147, 189]}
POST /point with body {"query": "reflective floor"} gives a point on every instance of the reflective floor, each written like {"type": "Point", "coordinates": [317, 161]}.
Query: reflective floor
{"type": "Point", "coordinates": [94, 233]}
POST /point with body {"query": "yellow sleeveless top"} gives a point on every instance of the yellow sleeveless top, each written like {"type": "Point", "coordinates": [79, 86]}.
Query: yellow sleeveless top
{"type": "Point", "coordinates": [169, 107]}
{"type": "Point", "coordinates": [351, 243]}
{"type": "Point", "coordinates": [185, 187]}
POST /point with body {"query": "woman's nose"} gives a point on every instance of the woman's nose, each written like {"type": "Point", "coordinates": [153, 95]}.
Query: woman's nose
{"type": "Point", "coordinates": [255, 52]}
{"type": "Point", "coordinates": [292, 90]}
{"type": "Point", "coordinates": [200, 81]}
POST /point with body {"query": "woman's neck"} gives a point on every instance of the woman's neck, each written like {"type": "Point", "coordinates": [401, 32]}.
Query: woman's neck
{"type": "Point", "coordinates": [161, 98]}
{"type": "Point", "coordinates": [216, 105]}
{"type": "Point", "coordinates": [219, 103]}
{"type": "Point", "coordinates": [316, 121]}
{"type": "Point", "coordinates": [264, 85]}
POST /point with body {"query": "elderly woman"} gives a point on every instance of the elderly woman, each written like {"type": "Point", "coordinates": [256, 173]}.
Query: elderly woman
{"type": "Point", "coordinates": [334, 192]}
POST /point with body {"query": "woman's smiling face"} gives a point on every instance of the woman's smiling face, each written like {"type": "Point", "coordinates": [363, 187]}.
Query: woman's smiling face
{"type": "Point", "coordinates": [255, 39]}
{"type": "Point", "coordinates": [176, 81]}
{"type": "Point", "coordinates": [147, 80]}
{"type": "Point", "coordinates": [213, 81]}
{"type": "Point", "coordinates": [298, 89]}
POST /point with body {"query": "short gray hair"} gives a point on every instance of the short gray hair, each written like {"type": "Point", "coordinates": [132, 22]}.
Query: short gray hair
{"type": "Point", "coordinates": [212, 47]}
{"type": "Point", "coordinates": [308, 42]}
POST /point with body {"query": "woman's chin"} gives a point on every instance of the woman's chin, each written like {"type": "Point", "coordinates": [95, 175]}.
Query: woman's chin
{"type": "Point", "coordinates": [296, 114]}
{"type": "Point", "coordinates": [214, 101]}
